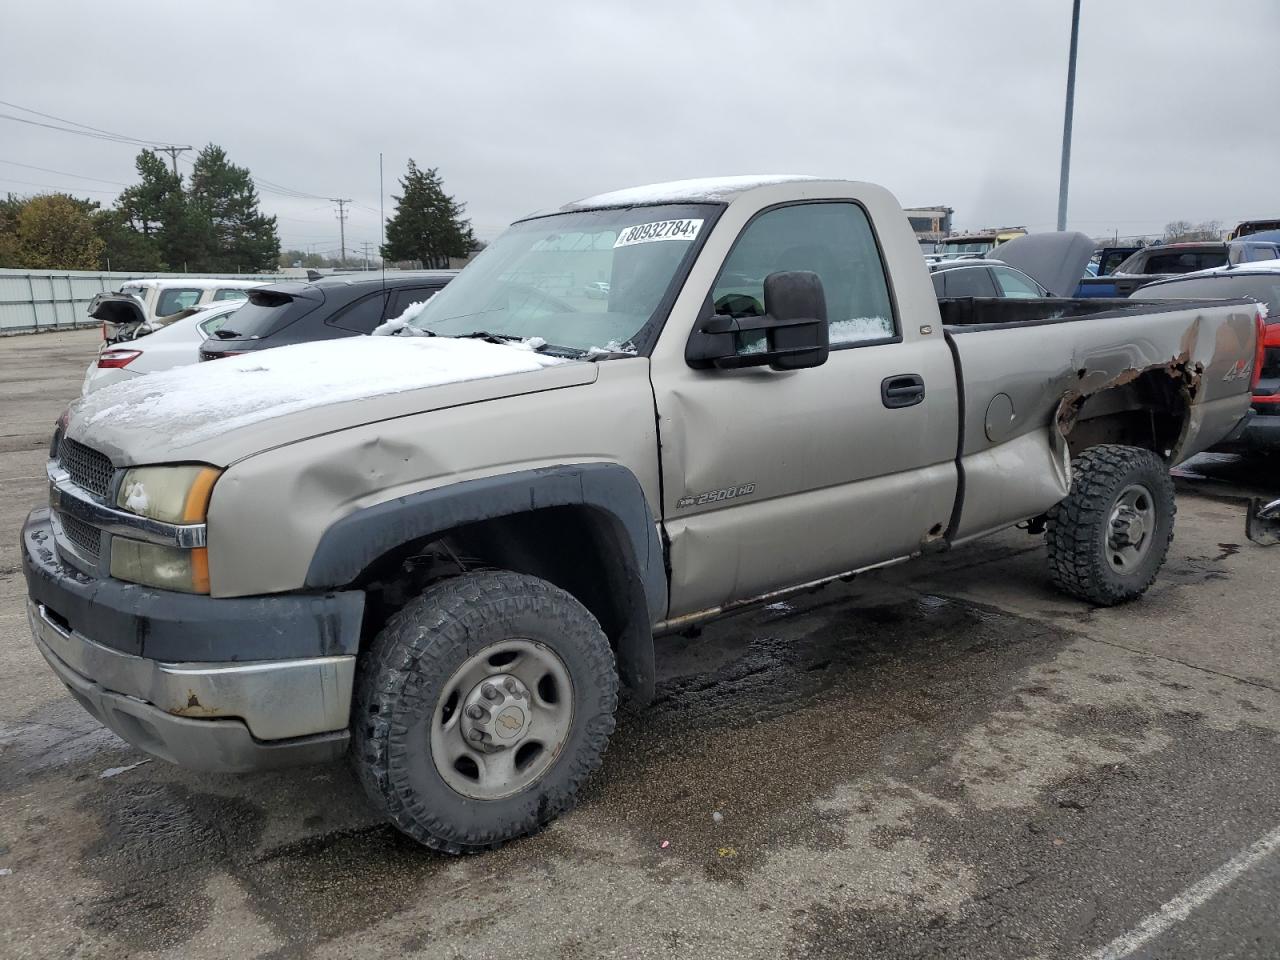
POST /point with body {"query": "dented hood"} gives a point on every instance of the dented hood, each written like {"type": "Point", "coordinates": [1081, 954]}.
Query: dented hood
{"type": "Point", "coordinates": [1054, 260]}
{"type": "Point", "coordinates": [222, 410]}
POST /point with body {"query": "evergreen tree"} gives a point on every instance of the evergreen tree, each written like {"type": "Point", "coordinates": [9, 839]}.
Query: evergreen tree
{"type": "Point", "coordinates": [145, 203]}
{"type": "Point", "coordinates": [239, 236]}
{"type": "Point", "coordinates": [123, 247]}
{"type": "Point", "coordinates": [427, 224]}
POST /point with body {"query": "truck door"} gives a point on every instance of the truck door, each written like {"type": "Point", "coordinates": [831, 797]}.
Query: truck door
{"type": "Point", "coordinates": [773, 479]}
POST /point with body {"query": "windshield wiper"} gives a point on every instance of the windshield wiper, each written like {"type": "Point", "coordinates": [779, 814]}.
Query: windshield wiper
{"type": "Point", "coordinates": [541, 346]}
{"type": "Point", "coordinates": [227, 334]}
{"type": "Point", "coordinates": [486, 335]}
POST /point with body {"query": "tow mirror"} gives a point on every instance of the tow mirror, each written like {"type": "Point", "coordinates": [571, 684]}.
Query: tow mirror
{"type": "Point", "coordinates": [791, 335]}
{"type": "Point", "coordinates": [1262, 524]}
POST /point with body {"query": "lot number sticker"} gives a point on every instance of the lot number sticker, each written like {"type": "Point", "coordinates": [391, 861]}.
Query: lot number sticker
{"type": "Point", "coordinates": [658, 230]}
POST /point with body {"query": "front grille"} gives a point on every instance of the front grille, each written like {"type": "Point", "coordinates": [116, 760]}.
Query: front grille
{"type": "Point", "coordinates": [85, 536]}
{"type": "Point", "coordinates": [88, 469]}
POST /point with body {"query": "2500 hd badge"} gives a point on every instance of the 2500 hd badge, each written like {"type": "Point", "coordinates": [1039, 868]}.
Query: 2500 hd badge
{"type": "Point", "coordinates": [715, 496]}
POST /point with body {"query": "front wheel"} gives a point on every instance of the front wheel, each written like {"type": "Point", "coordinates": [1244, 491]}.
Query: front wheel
{"type": "Point", "coordinates": [481, 708]}
{"type": "Point", "coordinates": [1108, 539]}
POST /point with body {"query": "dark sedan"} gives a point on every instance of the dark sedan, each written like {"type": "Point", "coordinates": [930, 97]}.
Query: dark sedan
{"type": "Point", "coordinates": [344, 305]}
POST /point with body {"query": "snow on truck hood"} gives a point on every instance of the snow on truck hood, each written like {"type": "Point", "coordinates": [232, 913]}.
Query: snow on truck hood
{"type": "Point", "coordinates": [164, 416]}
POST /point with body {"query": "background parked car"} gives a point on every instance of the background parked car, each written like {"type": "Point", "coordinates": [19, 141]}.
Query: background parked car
{"type": "Point", "coordinates": [337, 306]}
{"type": "Point", "coordinates": [1171, 259]}
{"type": "Point", "coordinates": [174, 345]}
{"type": "Point", "coordinates": [140, 306]}
{"type": "Point", "coordinates": [1260, 282]}
{"type": "Point", "coordinates": [982, 278]}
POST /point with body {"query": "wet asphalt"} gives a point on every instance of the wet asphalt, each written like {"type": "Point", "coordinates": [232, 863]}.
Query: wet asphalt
{"type": "Point", "coordinates": [946, 758]}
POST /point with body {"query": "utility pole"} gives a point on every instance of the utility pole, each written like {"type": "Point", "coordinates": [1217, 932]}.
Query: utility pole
{"type": "Point", "coordinates": [342, 226]}
{"type": "Point", "coordinates": [366, 244]}
{"type": "Point", "coordinates": [1066, 121]}
{"type": "Point", "coordinates": [173, 155]}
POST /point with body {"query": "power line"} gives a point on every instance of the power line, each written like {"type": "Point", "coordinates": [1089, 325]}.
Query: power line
{"type": "Point", "coordinates": [50, 186]}
{"type": "Point", "coordinates": [63, 173]}
{"type": "Point", "coordinates": [49, 116]}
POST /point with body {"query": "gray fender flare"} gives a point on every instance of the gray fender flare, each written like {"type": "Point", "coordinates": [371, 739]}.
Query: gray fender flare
{"type": "Point", "coordinates": [354, 542]}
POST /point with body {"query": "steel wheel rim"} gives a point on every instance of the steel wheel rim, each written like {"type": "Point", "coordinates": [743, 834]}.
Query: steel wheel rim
{"type": "Point", "coordinates": [517, 694]}
{"type": "Point", "coordinates": [1130, 528]}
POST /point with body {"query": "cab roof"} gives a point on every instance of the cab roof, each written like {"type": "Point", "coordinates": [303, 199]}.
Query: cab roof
{"type": "Point", "coordinates": [705, 189]}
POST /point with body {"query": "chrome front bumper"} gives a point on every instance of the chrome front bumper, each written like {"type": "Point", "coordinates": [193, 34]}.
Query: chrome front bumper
{"type": "Point", "coordinates": [230, 717]}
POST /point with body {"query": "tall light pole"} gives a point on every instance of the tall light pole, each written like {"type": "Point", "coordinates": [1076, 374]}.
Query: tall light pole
{"type": "Point", "coordinates": [1066, 120]}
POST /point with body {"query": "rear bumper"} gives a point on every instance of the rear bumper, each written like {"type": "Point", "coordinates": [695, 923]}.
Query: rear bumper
{"type": "Point", "coordinates": [1258, 432]}
{"type": "Point", "coordinates": [213, 684]}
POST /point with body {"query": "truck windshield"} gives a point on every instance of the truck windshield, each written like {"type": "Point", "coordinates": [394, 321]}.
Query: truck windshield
{"type": "Point", "coordinates": [581, 280]}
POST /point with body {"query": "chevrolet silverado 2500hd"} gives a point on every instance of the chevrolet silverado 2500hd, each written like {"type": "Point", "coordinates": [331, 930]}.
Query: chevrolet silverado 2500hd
{"type": "Point", "coordinates": [448, 551]}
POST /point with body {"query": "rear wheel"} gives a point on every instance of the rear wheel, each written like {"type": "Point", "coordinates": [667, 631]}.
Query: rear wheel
{"type": "Point", "coordinates": [1108, 539]}
{"type": "Point", "coordinates": [481, 708]}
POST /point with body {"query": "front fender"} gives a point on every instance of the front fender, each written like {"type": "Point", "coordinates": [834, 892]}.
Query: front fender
{"type": "Point", "coordinates": [352, 543]}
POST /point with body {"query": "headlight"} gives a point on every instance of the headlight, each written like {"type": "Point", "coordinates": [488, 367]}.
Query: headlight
{"type": "Point", "coordinates": [170, 494]}
{"type": "Point", "coordinates": [169, 568]}
{"type": "Point", "coordinates": [178, 494]}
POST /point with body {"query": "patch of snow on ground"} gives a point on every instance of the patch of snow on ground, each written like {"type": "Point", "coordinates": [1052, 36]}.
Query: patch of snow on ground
{"type": "Point", "coordinates": [198, 402]}
{"type": "Point", "coordinates": [110, 772]}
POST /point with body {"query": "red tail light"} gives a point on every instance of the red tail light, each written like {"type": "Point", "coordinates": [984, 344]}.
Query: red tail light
{"type": "Point", "coordinates": [117, 358]}
{"type": "Point", "coordinates": [1260, 349]}
{"type": "Point", "coordinates": [218, 356]}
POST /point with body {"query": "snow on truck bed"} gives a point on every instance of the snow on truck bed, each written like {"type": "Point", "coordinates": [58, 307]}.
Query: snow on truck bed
{"type": "Point", "coordinates": [202, 401]}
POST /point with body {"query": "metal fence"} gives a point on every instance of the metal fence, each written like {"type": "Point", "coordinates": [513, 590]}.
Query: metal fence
{"type": "Point", "coordinates": [37, 300]}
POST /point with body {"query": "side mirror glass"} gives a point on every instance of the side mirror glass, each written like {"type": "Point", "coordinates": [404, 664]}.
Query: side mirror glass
{"type": "Point", "coordinates": [793, 333]}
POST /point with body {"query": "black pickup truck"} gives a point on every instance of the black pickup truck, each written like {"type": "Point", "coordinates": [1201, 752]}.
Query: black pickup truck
{"type": "Point", "coordinates": [1171, 259]}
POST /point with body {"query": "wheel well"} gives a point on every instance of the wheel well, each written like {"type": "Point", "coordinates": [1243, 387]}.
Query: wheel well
{"type": "Point", "coordinates": [581, 549]}
{"type": "Point", "coordinates": [1148, 411]}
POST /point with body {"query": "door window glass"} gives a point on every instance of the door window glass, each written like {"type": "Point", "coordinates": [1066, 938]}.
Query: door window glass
{"type": "Point", "coordinates": [403, 298]}
{"type": "Point", "coordinates": [362, 316]}
{"type": "Point", "coordinates": [968, 282]}
{"type": "Point", "coordinates": [834, 240]}
{"type": "Point", "coordinates": [175, 300]}
{"type": "Point", "coordinates": [1014, 284]}
{"type": "Point", "coordinates": [211, 326]}
{"type": "Point", "coordinates": [231, 293]}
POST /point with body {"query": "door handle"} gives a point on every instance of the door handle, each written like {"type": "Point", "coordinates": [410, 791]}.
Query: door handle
{"type": "Point", "coordinates": [903, 390]}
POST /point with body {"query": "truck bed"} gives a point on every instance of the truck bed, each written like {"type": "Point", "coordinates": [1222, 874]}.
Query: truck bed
{"type": "Point", "coordinates": [990, 313]}
{"type": "Point", "coordinates": [1024, 364]}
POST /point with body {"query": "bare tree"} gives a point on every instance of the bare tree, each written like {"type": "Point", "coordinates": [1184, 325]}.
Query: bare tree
{"type": "Point", "coordinates": [1184, 230]}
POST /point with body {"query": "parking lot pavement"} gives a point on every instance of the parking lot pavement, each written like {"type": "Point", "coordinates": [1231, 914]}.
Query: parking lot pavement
{"type": "Point", "coordinates": [946, 757]}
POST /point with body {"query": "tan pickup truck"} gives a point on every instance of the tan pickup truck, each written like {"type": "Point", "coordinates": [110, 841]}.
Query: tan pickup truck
{"type": "Point", "coordinates": [448, 551]}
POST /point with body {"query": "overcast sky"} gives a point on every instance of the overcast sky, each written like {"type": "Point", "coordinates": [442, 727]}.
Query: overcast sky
{"type": "Point", "coordinates": [525, 105]}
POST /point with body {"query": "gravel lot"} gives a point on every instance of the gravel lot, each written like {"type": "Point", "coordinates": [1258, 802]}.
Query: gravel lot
{"type": "Point", "coordinates": [947, 757]}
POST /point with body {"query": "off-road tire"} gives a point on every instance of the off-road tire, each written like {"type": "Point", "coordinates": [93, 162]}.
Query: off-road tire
{"type": "Point", "coordinates": [1079, 525]}
{"type": "Point", "coordinates": [401, 675]}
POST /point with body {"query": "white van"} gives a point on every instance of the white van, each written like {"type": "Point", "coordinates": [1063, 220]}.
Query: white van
{"type": "Point", "coordinates": [164, 298]}
{"type": "Point", "coordinates": [140, 306]}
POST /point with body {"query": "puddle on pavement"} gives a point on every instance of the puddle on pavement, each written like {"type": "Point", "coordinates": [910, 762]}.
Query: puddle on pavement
{"type": "Point", "coordinates": [158, 846]}
{"type": "Point", "coordinates": [789, 714]}
{"type": "Point", "coordinates": [801, 710]}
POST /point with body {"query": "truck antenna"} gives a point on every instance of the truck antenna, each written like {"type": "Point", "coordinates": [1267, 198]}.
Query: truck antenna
{"type": "Point", "coordinates": [382, 219]}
